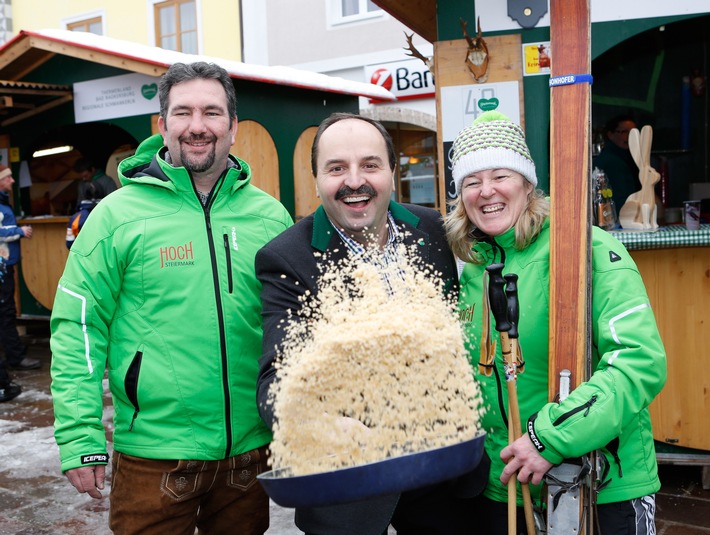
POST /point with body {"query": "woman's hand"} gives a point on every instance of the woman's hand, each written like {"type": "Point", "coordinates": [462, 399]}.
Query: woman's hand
{"type": "Point", "coordinates": [522, 457]}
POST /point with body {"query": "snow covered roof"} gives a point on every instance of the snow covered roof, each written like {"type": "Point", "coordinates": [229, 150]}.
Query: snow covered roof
{"type": "Point", "coordinates": [65, 41]}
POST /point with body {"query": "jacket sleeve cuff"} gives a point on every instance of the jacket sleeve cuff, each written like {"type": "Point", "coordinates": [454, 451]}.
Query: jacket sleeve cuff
{"type": "Point", "coordinates": [84, 460]}
{"type": "Point", "coordinates": [534, 427]}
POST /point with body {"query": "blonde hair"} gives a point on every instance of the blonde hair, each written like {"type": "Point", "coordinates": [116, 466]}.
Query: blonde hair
{"type": "Point", "coordinates": [462, 235]}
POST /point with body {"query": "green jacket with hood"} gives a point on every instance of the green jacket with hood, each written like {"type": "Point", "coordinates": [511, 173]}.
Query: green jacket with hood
{"type": "Point", "coordinates": [609, 411]}
{"type": "Point", "coordinates": [161, 291]}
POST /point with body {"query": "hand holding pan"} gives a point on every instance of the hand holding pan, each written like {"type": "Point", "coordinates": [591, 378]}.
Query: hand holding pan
{"type": "Point", "coordinates": [381, 478]}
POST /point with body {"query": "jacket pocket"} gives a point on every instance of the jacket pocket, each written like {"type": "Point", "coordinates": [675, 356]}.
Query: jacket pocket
{"type": "Point", "coordinates": [584, 407]}
{"type": "Point", "coordinates": [130, 384]}
{"type": "Point", "coordinates": [228, 259]}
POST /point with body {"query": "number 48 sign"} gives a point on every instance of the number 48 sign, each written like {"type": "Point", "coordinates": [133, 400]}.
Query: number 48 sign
{"type": "Point", "coordinates": [462, 104]}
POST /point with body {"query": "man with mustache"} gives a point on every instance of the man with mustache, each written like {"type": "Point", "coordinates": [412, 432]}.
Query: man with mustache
{"type": "Point", "coordinates": [159, 290]}
{"type": "Point", "coordinates": [353, 161]}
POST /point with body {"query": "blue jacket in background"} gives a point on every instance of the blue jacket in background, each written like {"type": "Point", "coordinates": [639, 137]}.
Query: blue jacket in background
{"type": "Point", "coordinates": [10, 233]}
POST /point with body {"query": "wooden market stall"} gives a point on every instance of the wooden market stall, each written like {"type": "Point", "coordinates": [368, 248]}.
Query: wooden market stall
{"type": "Point", "coordinates": [675, 265]}
{"type": "Point", "coordinates": [97, 96]}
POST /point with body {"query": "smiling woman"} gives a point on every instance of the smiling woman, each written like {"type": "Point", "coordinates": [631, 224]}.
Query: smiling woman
{"type": "Point", "coordinates": [501, 219]}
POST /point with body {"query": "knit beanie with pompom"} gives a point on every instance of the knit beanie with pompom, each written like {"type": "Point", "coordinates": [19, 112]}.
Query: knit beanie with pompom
{"type": "Point", "coordinates": [492, 141]}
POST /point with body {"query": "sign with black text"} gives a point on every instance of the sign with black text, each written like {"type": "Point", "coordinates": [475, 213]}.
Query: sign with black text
{"type": "Point", "coordinates": [406, 80]}
{"type": "Point", "coordinates": [126, 95]}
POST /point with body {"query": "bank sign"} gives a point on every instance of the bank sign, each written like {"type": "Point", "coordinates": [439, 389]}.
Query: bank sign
{"type": "Point", "coordinates": [406, 80]}
{"type": "Point", "coordinates": [126, 95]}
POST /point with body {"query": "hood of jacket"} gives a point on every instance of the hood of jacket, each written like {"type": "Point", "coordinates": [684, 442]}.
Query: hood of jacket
{"type": "Point", "coordinates": [151, 165]}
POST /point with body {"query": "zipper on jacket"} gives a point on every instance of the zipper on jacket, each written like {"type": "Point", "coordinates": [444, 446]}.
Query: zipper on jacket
{"type": "Point", "coordinates": [130, 385]}
{"type": "Point", "coordinates": [585, 407]}
{"type": "Point", "coordinates": [220, 318]}
{"type": "Point", "coordinates": [501, 406]}
{"type": "Point", "coordinates": [613, 449]}
{"type": "Point", "coordinates": [228, 254]}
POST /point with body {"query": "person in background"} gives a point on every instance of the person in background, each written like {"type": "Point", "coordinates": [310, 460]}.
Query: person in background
{"type": "Point", "coordinates": [353, 162]}
{"type": "Point", "coordinates": [616, 161]}
{"type": "Point", "coordinates": [500, 217]}
{"type": "Point", "coordinates": [91, 176]}
{"type": "Point", "coordinates": [10, 234]}
{"type": "Point", "coordinates": [78, 218]}
{"type": "Point", "coordinates": [159, 291]}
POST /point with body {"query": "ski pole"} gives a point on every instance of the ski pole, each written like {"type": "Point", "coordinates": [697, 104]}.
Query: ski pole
{"type": "Point", "coordinates": [499, 305]}
{"type": "Point", "coordinates": [516, 361]}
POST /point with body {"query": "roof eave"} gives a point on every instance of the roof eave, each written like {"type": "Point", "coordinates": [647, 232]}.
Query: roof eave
{"type": "Point", "coordinates": [63, 42]}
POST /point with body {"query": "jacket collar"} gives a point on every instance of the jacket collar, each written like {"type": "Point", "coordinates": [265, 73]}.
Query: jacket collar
{"type": "Point", "coordinates": [150, 164]}
{"type": "Point", "coordinates": [505, 241]}
{"type": "Point", "coordinates": [324, 232]}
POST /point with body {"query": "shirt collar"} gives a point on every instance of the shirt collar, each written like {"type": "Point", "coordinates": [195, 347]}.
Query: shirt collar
{"type": "Point", "coordinates": [393, 235]}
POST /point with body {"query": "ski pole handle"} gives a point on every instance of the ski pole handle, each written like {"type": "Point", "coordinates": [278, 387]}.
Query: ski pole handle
{"type": "Point", "coordinates": [511, 293]}
{"type": "Point", "coordinates": [513, 307]}
{"type": "Point", "coordinates": [496, 297]}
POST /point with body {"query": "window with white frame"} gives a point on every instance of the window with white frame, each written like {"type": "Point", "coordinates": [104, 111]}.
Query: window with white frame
{"type": "Point", "coordinates": [90, 25]}
{"type": "Point", "coordinates": [345, 11]}
{"type": "Point", "coordinates": [176, 25]}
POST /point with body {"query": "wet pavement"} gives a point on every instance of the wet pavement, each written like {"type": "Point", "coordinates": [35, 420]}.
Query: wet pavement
{"type": "Point", "coordinates": [35, 499]}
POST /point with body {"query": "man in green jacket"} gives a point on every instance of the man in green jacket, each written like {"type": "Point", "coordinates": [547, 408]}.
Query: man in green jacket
{"type": "Point", "coordinates": [160, 290]}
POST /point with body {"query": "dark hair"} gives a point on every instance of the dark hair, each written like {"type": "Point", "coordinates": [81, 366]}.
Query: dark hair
{"type": "Point", "coordinates": [83, 164]}
{"type": "Point", "coordinates": [200, 70]}
{"type": "Point", "coordinates": [613, 123]}
{"type": "Point", "coordinates": [340, 116]}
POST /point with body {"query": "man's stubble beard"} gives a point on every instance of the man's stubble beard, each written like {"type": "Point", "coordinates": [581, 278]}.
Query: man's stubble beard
{"type": "Point", "coordinates": [198, 166]}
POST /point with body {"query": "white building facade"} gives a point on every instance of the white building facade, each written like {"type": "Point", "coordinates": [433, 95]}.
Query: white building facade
{"type": "Point", "coordinates": [356, 40]}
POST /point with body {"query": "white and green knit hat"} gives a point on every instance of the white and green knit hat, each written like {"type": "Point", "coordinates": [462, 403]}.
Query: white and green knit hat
{"type": "Point", "coordinates": [492, 141]}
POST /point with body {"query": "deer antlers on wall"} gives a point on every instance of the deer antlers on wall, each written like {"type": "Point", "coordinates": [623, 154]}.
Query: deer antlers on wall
{"type": "Point", "coordinates": [413, 52]}
{"type": "Point", "coordinates": [477, 53]}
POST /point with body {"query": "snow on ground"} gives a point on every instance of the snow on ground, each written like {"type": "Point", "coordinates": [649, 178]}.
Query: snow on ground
{"type": "Point", "coordinates": [34, 493]}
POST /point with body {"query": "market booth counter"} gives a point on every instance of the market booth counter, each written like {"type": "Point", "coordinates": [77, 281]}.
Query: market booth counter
{"type": "Point", "coordinates": [675, 265]}
{"type": "Point", "coordinates": [44, 256]}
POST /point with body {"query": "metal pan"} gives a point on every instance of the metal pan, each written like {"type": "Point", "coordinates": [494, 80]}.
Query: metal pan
{"type": "Point", "coordinates": [390, 476]}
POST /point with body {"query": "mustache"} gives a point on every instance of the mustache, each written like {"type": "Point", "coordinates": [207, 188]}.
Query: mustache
{"type": "Point", "coordinates": [362, 190]}
{"type": "Point", "coordinates": [199, 137]}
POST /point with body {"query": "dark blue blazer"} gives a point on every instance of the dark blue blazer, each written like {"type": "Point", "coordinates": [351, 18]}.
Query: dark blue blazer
{"type": "Point", "coordinates": [288, 267]}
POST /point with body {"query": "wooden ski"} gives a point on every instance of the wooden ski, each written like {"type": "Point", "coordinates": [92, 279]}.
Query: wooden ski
{"type": "Point", "coordinates": [570, 247]}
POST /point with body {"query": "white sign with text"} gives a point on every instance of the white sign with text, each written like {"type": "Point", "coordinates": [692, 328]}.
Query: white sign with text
{"type": "Point", "coordinates": [408, 79]}
{"type": "Point", "coordinates": [462, 104]}
{"type": "Point", "coordinates": [126, 95]}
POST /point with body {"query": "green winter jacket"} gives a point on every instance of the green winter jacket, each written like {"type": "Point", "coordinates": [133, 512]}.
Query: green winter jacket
{"type": "Point", "coordinates": [608, 412]}
{"type": "Point", "coordinates": [162, 291]}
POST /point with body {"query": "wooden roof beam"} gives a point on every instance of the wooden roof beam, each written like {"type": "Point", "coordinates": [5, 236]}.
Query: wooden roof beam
{"type": "Point", "coordinates": [97, 56]}
{"type": "Point", "coordinates": [418, 15]}
{"type": "Point", "coordinates": [39, 109]}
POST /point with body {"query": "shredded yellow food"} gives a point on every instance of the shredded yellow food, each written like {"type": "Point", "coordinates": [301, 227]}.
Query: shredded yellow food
{"type": "Point", "coordinates": [390, 357]}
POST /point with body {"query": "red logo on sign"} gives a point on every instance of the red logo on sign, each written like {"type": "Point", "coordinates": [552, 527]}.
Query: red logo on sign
{"type": "Point", "coordinates": [382, 77]}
